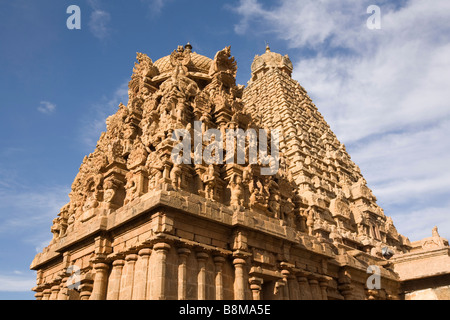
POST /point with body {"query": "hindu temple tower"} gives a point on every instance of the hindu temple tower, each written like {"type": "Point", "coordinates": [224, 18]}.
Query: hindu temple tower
{"type": "Point", "coordinates": [141, 226]}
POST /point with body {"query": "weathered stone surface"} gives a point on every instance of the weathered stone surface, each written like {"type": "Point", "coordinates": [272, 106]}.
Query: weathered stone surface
{"type": "Point", "coordinates": [142, 226]}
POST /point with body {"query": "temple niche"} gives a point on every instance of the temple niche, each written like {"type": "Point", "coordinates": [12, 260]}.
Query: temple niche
{"type": "Point", "coordinates": [140, 225]}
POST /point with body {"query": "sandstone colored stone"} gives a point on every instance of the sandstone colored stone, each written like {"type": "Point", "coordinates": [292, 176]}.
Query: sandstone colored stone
{"type": "Point", "coordinates": [141, 226]}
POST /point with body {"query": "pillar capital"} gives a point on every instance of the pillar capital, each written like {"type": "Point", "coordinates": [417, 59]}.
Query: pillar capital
{"type": "Point", "coordinates": [38, 295]}
{"type": "Point", "coordinates": [285, 273]}
{"type": "Point", "coordinates": [54, 292]}
{"type": "Point", "coordinates": [86, 290]}
{"type": "Point", "coordinates": [183, 251]}
{"type": "Point", "coordinates": [145, 252]}
{"type": "Point", "coordinates": [323, 280]}
{"type": "Point", "coordinates": [131, 257]}
{"type": "Point", "coordinates": [101, 265]}
{"type": "Point", "coordinates": [118, 263]}
{"type": "Point", "coordinates": [239, 261]}
{"type": "Point", "coordinates": [255, 287]}
{"type": "Point", "coordinates": [161, 246]}
{"type": "Point", "coordinates": [202, 255]}
{"type": "Point", "coordinates": [256, 281]}
{"type": "Point", "coordinates": [219, 260]}
{"type": "Point", "coordinates": [46, 294]}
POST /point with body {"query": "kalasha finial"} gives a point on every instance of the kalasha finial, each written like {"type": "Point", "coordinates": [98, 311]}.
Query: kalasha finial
{"type": "Point", "coordinates": [188, 47]}
{"type": "Point", "coordinates": [267, 47]}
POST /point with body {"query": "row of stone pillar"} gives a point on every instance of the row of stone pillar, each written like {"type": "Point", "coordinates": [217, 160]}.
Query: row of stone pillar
{"type": "Point", "coordinates": [60, 291]}
{"type": "Point", "coordinates": [300, 286]}
{"type": "Point", "coordinates": [130, 277]}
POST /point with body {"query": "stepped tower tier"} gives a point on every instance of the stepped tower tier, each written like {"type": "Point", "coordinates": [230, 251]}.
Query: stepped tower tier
{"type": "Point", "coordinates": [337, 201]}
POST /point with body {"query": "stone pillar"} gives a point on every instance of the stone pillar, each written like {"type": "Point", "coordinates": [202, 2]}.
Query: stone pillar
{"type": "Point", "coordinates": [323, 283]}
{"type": "Point", "coordinates": [100, 281]}
{"type": "Point", "coordinates": [256, 287]}
{"type": "Point", "coordinates": [202, 257]}
{"type": "Point", "coordinates": [303, 284]}
{"type": "Point", "coordinates": [38, 295]}
{"type": "Point", "coordinates": [161, 250]}
{"type": "Point", "coordinates": [285, 273]}
{"type": "Point", "coordinates": [183, 253]}
{"type": "Point", "coordinates": [114, 280]}
{"type": "Point", "coordinates": [239, 279]}
{"type": "Point", "coordinates": [141, 274]}
{"type": "Point", "coordinates": [46, 294]}
{"type": "Point", "coordinates": [63, 293]}
{"type": "Point", "coordinates": [86, 290]}
{"type": "Point", "coordinates": [344, 284]}
{"type": "Point", "coordinates": [218, 262]}
{"type": "Point", "coordinates": [293, 287]}
{"type": "Point", "coordinates": [126, 290]}
{"type": "Point", "coordinates": [346, 291]}
{"type": "Point", "coordinates": [314, 285]}
{"type": "Point", "coordinates": [54, 292]}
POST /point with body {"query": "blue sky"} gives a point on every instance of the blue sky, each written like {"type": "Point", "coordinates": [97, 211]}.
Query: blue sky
{"type": "Point", "coordinates": [383, 92]}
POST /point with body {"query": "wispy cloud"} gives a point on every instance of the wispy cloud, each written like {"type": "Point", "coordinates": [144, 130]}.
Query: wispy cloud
{"type": "Point", "coordinates": [383, 92]}
{"type": "Point", "coordinates": [17, 282]}
{"type": "Point", "coordinates": [27, 213]}
{"type": "Point", "coordinates": [95, 123]}
{"type": "Point", "coordinates": [99, 20]}
{"type": "Point", "coordinates": [155, 6]}
{"type": "Point", "coordinates": [46, 107]}
{"type": "Point", "coordinates": [419, 223]}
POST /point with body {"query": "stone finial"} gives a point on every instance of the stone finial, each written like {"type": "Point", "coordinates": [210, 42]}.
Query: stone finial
{"type": "Point", "coordinates": [271, 60]}
{"type": "Point", "coordinates": [435, 232]}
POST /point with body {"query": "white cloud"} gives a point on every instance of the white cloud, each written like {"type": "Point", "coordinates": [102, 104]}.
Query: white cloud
{"type": "Point", "coordinates": [29, 213]}
{"type": "Point", "coordinates": [155, 6]}
{"type": "Point", "coordinates": [46, 107]}
{"type": "Point", "coordinates": [383, 92]}
{"type": "Point", "coordinates": [98, 23]}
{"type": "Point", "coordinates": [411, 165]}
{"type": "Point", "coordinates": [17, 283]}
{"type": "Point", "coordinates": [417, 224]}
{"type": "Point", "coordinates": [99, 20]}
{"type": "Point", "coordinates": [95, 123]}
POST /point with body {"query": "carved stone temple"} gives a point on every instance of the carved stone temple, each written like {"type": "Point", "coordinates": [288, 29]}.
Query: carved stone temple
{"type": "Point", "coordinates": [142, 226]}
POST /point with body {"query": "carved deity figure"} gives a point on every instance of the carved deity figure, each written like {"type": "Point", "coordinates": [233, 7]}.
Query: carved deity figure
{"type": "Point", "coordinates": [274, 199]}
{"type": "Point", "coordinates": [310, 221]}
{"type": "Point", "coordinates": [209, 180]}
{"type": "Point", "coordinates": [237, 190]}
{"type": "Point", "coordinates": [131, 187]}
{"type": "Point", "coordinates": [111, 186]}
{"type": "Point", "coordinates": [90, 202]}
{"type": "Point", "coordinates": [180, 111]}
{"type": "Point", "coordinates": [175, 176]}
{"type": "Point", "coordinates": [155, 168]}
{"type": "Point", "coordinates": [91, 197]}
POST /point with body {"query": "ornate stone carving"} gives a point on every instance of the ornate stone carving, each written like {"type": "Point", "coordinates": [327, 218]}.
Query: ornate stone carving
{"type": "Point", "coordinates": [317, 208]}
{"type": "Point", "coordinates": [237, 191]}
{"type": "Point", "coordinates": [223, 62]}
